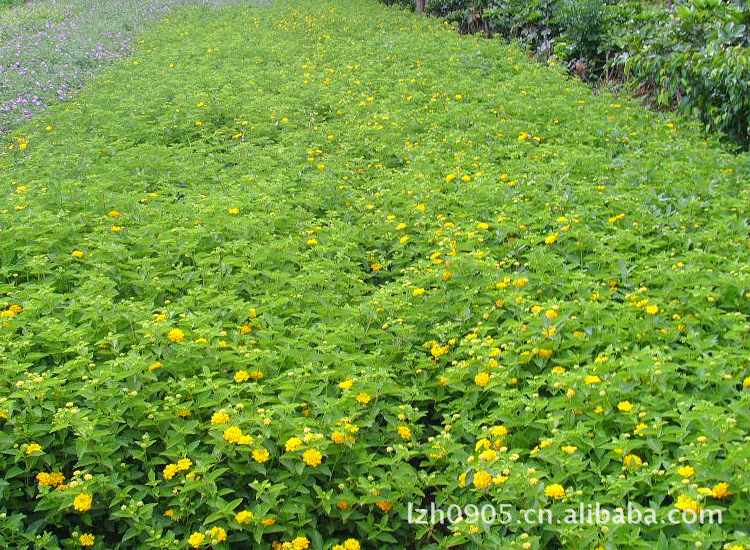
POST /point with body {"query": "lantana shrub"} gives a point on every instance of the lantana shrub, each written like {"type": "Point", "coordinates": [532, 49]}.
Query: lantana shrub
{"type": "Point", "coordinates": [262, 289]}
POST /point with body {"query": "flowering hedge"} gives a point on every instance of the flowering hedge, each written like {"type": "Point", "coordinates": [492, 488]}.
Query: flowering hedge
{"type": "Point", "coordinates": [263, 290]}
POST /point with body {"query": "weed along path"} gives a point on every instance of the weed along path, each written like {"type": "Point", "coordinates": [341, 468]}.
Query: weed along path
{"type": "Point", "coordinates": [290, 274]}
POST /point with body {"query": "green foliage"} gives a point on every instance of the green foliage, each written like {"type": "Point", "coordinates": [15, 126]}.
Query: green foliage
{"type": "Point", "coordinates": [697, 61]}
{"type": "Point", "coordinates": [253, 228]}
{"type": "Point", "coordinates": [691, 57]}
{"type": "Point", "coordinates": [582, 22]}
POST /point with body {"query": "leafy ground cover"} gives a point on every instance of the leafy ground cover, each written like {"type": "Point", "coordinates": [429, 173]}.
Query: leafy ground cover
{"type": "Point", "coordinates": [49, 49]}
{"type": "Point", "coordinates": [261, 289]}
{"type": "Point", "coordinates": [687, 55]}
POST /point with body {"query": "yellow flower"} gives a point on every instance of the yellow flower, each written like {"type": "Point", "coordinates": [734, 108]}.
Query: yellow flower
{"type": "Point", "coordinates": [176, 335]}
{"type": "Point", "coordinates": [170, 470]}
{"type": "Point", "coordinates": [244, 516]}
{"type": "Point", "coordinates": [652, 310]}
{"type": "Point", "coordinates": [82, 502]}
{"type": "Point", "coordinates": [87, 539]}
{"type": "Point", "coordinates": [196, 539]}
{"type": "Point", "coordinates": [184, 464]}
{"type": "Point", "coordinates": [404, 432]}
{"type": "Point", "coordinates": [482, 444]}
{"type": "Point", "coordinates": [483, 225]}
{"type": "Point", "coordinates": [116, 228]}
{"type": "Point", "coordinates": [261, 455]}
{"type": "Point", "coordinates": [482, 379]}
{"type": "Point", "coordinates": [384, 505]}
{"type": "Point", "coordinates": [466, 178]}
{"type": "Point", "coordinates": [403, 239]}
{"type": "Point", "coordinates": [363, 398]}
{"type": "Point", "coordinates": [569, 449]}
{"type": "Point", "coordinates": [746, 382]}
{"type": "Point", "coordinates": [78, 254]}
{"type": "Point", "coordinates": [437, 350]}
{"type": "Point", "coordinates": [686, 471]}
{"type": "Point", "coordinates": [32, 448]}
{"type": "Point", "coordinates": [346, 384]}
{"type": "Point", "coordinates": [625, 406]}
{"type": "Point", "coordinates": [312, 457]}
{"type": "Point", "coordinates": [498, 431]}
{"type": "Point", "coordinates": [232, 434]}
{"type": "Point", "coordinates": [312, 242]}
{"type": "Point", "coordinates": [720, 490]}
{"type": "Point", "coordinates": [687, 503]}
{"type": "Point", "coordinates": [43, 479]}
{"type": "Point", "coordinates": [300, 543]}
{"type": "Point", "coordinates": [375, 266]}
{"type": "Point", "coordinates": [449, 178]}
{"type": "Point", "coordinates": [268, 521]}
{"type": "Point", "coordinates": [421, 207]}
{"type": "Point", "coordinates": [292, 444]}
{"type": "Point", "coordinates": [551, 238]}
{"type": "Point", "coordinates": [218, 534]}
{"type": "Point", "coordinates": [555, 490]}
{"type": "Point", "coordinates": [219, 418]}
{"type": "Point", "coordinates": [113, 214]}
{"type": "Point", "coordinates": [488, 455]}
{"type": "Point", "coordinates": [631, 459]}
{"type": "Point", "coordinates": [482, 479]}
{"type": "Point", "coordinates": [155, 365]}
{"type": "Point", "coordinates": [241, 376]}
{"type": "Point", "coordinates": [351, 544]}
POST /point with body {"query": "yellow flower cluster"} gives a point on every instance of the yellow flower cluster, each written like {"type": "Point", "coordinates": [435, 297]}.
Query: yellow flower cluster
{"type": "Point", "coordinates": [170, 470]}
{"type": "Point", "coordinates": [33, 448]}
{"type": "Point", "coordinates": [244, 516]}
{"type": "Point", "coordinates": [196, 539]}
{"type": "Point", "coordinates": [312, 457]}
{"type": "Point", "coordinates": [299, 543]}
{"type": "Point", "coordinates": [340, 437]}
{"type": "Point", "coordinates": [404, 432]}
{"type": "Point", "coordinates": [11, 311]}
{"type": "Point", "coordinates": [686, 503]}
{"type": "Point", "coordinates": [233, 434]}
{"type": "Point", "coordinates": [52, 479]}
{"type": "Point", "coordinates": [482, 379]}
{"type": "Point", "coordinates": [82, 502]}
{"type": "Point", "coordinates": [176, 335]}
{"type": "Point", "coordinates": [261, 455]}
{"type": "Point", "coordinates": [292, 444]}
{"type": "Point", "coordinates": [625, 406]}
{"type": "Point", "coordinates": [243, 375]}
{"type": "Point", "coordinates": [217, 534]}
{"type": "Point", "coordinates": [349, 544]}
{"type": "Point", "coordinates": [554, 491]}
{"type": "Point", "coordinates": [219, 418]}
{"type": "Point", "coordinates": [482, 479]}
